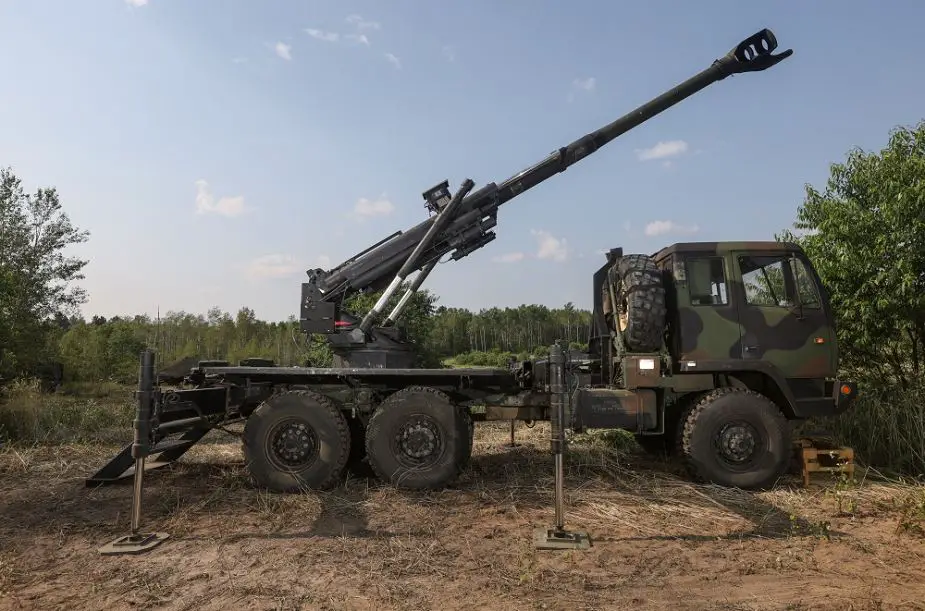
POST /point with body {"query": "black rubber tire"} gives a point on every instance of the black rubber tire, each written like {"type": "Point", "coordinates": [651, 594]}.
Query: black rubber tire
{"type": "Point", "coordinates": [729, 406]}
{"type": "Point", "coordinates": [323, 420]}
{"type": "Point", "coordinates": [643, 293]}
{"type": "Point", "coordinates": [449, 422]}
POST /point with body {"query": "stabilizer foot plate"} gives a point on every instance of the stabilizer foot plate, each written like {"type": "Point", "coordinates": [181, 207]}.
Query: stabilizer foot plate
{"type": "Point", "coordinates": [133, 544]}
{"type": "Point", "coordinates": [551, 538]}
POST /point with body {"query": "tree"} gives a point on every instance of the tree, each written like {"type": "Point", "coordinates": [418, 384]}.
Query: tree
{"type": "Point", "coordinates": [865, 233]}
{"type": "Point", "coordinates": [34, 272]}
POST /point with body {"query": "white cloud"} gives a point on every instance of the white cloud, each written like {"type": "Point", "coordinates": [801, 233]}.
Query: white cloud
{"type": "Point", "coordinates": [511, 257]}
{"type": "Point", "coordinates": [273, 266]}
{"type": "Point", "coordinates": [448, 53]}
{"type": "Point", "coordinates": [587, 84]}
{"type": "Point", "coordinates": [665, 227]}
{"type": "Point", "coordinates": [358, 38]}
{"type": "Point", "coordinates": [226, 206]}
{"type": "Point", "coordinates": [550, 247]}
{"type": "Point", "coordinates": [362, 24]}
{"type": "Point", "coordinates": [663, 150]}
{"type": "Point", "coordinates": [136, 3]}
{"type": "Point", "coordinates": [322, 35]}
{"type": "Point", "coordinates": [283, 50]}
{"type": "Point", "coordinates": [393, 60]}
{"type": "Point", "coordinates": [369, 208]}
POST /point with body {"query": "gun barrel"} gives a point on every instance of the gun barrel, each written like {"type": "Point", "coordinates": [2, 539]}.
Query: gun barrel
{"type": "Point", "coordinates": [752, 54]}
{"type": "Point", "coordinates": [467, 230]}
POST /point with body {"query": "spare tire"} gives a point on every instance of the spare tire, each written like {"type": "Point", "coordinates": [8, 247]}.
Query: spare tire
{"type": "Point", "coordinates": [641, 312]}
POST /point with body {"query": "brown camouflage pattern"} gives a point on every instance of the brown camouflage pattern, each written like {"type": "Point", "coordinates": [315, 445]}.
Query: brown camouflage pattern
{"type": "Point", "coordinates": [710, 336]}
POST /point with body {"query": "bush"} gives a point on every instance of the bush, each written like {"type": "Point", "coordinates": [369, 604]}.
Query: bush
{"type": "Point", "coordinates": [886, 427]}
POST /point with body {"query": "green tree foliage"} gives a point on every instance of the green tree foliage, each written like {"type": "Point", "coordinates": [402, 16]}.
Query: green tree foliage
{"type": "Point", "coordinates": [35, 275]}
{"type": "Point", "coordinates": [865, 233]}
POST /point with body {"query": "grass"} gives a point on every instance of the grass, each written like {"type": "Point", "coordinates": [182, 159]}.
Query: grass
{"type": "Point", "coordinates": [886, 427]}
{"type": "Point", "coordinates": [84, 414]}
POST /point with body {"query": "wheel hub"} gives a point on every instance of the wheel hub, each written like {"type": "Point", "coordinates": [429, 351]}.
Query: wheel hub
{"type": "Point", "coordinates": [419, 439]}
{"type": "Point", "coordinates": [737, 442]}
{"type": "Point", "coordinates": [294, 444]}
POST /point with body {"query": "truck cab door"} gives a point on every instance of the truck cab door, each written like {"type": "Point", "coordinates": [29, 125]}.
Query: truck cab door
{"type": "Point", "coordinates": [784, 320]}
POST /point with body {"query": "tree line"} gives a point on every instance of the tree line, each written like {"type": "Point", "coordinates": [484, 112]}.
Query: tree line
{"type": "Point", "coordinates": [103, 349]}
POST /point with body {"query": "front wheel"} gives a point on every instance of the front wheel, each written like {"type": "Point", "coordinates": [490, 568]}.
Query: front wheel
{"type": "Point", "coordinates": [735, 437]}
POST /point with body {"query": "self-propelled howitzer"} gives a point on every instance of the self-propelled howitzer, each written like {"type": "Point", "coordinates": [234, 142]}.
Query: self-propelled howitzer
{"type": "Point", "coordinates": [464, 223]}
{"type": "Point", "coordinates": [681, 356]}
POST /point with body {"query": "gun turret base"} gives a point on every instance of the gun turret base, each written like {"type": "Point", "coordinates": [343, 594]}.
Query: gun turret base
{"type": "Point", "coordinates": [384, 348]}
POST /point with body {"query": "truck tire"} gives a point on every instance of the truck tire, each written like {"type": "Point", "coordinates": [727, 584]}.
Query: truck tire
{"type": "Point", "coordinates": [641, 315]}
{"type": "Point", "coordinates": [296, 440]}
{"type": "Point", "coordinates": [418, 439]}
{"type": "Point", "coordinates": [735, 437]}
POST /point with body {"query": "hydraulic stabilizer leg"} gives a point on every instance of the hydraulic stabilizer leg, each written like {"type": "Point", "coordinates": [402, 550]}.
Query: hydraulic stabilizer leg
{"type": "Point", "coordinates": [557, 537]}
{"type": "Point", "coordinates": [137, 542]}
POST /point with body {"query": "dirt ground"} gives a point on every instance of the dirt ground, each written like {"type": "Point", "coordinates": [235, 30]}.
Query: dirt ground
{"type": "Point", "coordinates": [658, 541]}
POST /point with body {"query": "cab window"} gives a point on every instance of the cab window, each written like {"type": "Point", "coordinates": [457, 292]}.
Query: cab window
{"type": "Point", "coordinates": [706, 281]}
{"type": "Point", "coordinates": [778, 280]}
{"type": "Point", "coordinates": [806, 284]}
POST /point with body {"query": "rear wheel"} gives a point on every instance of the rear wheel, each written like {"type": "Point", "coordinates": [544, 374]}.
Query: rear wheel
{"type": "Point", "coordinates": [296, 440]}
{"type": "Point", "coordinates": [418, 439]}
{"type": "Point", "coordinates": [735, 437]}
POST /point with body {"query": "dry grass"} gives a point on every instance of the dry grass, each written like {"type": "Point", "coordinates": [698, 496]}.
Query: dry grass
{"type": "Point", "coordinates": [659, 541]}
{"type": "Point", "coordinates": [98, 412]}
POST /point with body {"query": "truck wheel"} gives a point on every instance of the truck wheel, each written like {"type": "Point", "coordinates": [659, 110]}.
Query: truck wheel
{"type": "Point", "coordinates": [735, 437]}
{"type": "Point", "coordinates": [295, 441]}
{"type": "Point", "coordinates": [418, 439]}
{"type": "Point", "coordinates": [641, 313]}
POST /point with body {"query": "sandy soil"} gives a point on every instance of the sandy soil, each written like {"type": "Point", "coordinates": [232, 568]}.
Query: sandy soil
{"type": "Point", "coordinates": [658, 541]}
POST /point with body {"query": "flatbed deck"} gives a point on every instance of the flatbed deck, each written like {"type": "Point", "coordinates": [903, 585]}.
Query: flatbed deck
{"type": "Point", "coordinates": [469, 377]}
{"type": "Point", "coordinates": [482, 372]}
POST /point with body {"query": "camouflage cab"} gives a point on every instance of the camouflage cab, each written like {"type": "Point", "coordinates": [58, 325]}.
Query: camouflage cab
{"type": "Point", "coordinates": [707, 349]}
{"type": "Point", "coordinates": [755, 312]}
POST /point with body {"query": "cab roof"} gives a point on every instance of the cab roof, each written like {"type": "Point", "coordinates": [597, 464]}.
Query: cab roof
{"type": "Point", "coordinates": [724, 247]}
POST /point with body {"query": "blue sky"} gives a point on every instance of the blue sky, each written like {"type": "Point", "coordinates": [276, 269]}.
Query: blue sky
{"type": "Point", "coordinates": [215, 149]}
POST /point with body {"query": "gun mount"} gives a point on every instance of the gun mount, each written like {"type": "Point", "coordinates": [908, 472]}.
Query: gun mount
{"type": "Point", "coordinates": [463, 223]}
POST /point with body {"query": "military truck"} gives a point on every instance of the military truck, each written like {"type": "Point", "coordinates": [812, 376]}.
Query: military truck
{"type": "Point", "coordinates": [719, 347]}
{"type": "Point", "coordinates": [712, 348]}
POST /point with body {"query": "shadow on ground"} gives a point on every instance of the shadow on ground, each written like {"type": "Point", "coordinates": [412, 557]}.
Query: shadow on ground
{"type": "Point", "coordinates": [213, 497]}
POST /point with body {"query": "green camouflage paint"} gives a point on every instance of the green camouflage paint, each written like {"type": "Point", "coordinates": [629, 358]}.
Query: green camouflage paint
{"type": "Point", "coordinates": [715, 328]}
